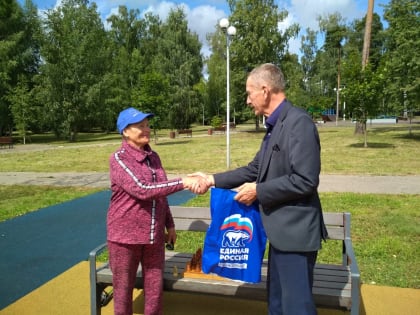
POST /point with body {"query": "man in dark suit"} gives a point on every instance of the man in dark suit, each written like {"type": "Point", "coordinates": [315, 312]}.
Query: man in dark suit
{"type": "Point", "coordinates": [284, 177]}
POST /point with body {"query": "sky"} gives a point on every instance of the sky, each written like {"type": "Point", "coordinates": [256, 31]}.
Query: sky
{"type": "Point", "coordinates": [203, 15]}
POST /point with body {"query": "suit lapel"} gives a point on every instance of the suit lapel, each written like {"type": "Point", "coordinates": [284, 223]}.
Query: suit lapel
{"type": "Point", "coordinates": [273, 143]}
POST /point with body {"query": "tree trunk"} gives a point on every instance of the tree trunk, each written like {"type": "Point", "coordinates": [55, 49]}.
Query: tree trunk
{"type": "Point", "coordinates": [360, 128]}
{"type": "Point", "coordinates": [365, 59]}
{"type": "Point", "coordinates": [368, 31]}
{"type": "Point", "coordinates": [73, 136]}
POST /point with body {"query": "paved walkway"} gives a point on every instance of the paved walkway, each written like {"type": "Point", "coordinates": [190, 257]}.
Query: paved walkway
{"type": "Point", "coordinates": [328, 183]}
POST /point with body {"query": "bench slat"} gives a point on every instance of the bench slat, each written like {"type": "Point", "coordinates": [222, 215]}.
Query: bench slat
{"type": "Point", "coordinates": [197, 213]}
{"type": "Point", "coordinates": [187, 225]}
{"type": "Point", "coordinates": [334, 218]}
{"type": "Point", "coordinates": [336, 232]}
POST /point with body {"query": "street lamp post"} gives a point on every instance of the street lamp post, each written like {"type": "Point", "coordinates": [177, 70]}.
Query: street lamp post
{"type": "Point", "coordinates": [337, 104]}
{"type": "Point", "coordinates": [229, 31]}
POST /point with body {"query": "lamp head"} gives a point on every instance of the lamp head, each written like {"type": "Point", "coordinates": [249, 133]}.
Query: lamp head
{"type": "Point", "coordinates": [224, 23]}
{"type": "Point", "coordinates": [231, 31]}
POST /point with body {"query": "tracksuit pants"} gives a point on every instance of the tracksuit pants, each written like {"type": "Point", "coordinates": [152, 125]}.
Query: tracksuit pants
{"type": "Point", "coordinates": [124, 260]}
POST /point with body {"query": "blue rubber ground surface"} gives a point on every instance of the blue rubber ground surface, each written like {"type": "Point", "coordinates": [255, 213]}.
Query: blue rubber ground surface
{"type": "Point", "coordinates": [38, 246]}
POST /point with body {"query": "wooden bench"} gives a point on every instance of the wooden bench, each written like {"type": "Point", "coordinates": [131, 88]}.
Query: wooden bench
{"type": "Point", "coordinates": [6, 141]}
{"type": "Point", "coordinates": [335, 286]}
{"type": "Point", "coordinates": [232, 125]}
{"type": "Point", "coordinates": [188, 132]}
{"type": "Point", "coordinates": [221, 129]}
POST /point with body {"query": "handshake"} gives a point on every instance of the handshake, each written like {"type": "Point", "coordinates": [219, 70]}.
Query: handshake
{"type": "Point", "coordinates": [198, 182]}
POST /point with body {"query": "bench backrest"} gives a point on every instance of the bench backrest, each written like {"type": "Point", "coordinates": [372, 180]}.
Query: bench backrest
{"type": "Point", "coordinates": [198, 219]}
{"type": "Point", "coordinates": [6, 139]}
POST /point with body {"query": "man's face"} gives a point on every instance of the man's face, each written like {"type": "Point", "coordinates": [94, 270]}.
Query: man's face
{"type": "Point", "coordinates": [256, 97]}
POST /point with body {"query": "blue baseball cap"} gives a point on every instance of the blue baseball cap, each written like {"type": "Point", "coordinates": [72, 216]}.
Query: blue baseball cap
{"type": "Point", "coordinates": [130, 116]}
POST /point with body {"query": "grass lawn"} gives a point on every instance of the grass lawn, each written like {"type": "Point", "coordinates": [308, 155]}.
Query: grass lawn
{"type": "Point", "coordinates": [385, 228]}
{"type": "Point", "coordinates": [391, 151]}
{"type": "Point", "coordinates": [18, 200]}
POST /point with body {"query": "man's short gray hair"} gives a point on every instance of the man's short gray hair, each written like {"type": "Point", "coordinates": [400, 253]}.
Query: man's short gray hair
{"type": "Point", "coordinates": [269, 74]}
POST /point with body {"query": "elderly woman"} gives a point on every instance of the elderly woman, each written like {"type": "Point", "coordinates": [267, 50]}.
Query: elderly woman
{"type": "Point", "coordinates": [139, 214]}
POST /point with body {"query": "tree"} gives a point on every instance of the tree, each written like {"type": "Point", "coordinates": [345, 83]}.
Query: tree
{"type": "Point", "coordinates": [294, 77]}
{"type": "Point", "coordinates": [11, 37]}
{"type": "Point", "coordinates": [76, 62]}
{"type": "Point", "coordinates": [314, 86]}
{"type": "Point", "coordinates": [402, 56]}
{"type": "Point", "coordinates": [20, 100]}
{"type": "Point", "coordinates": [22, 103]}
{"type": "Point", "coordinates": [335, 32]}
{"type": "Point", "coordinates": [126, 35]}
{"type": "Point", "coordinates": [367, 37]}
{"type": "Point", "coordinates": [308, 50]}
{"type": "Point", "coordinates": [178, 58]}
{"type": "Point", "coordinates": [258, 40]}
{"type": "Point", "coordinates": [216, 68]}
{"type": "Point", "coordinates": [364, 77]}
{"type": "Point", "coordinates": [365, 60]}
{"type": "Point", "coordinates": [151, 97]}
{"type": "Point", "coordinates": [355, 42]}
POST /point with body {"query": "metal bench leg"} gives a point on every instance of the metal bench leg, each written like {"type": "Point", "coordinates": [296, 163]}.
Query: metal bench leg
{"type": "Point", "coordinates": [355, 296]}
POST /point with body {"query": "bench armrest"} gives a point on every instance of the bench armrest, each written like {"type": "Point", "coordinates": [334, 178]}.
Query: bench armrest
{"type": "Point", "coordinates": [355, 276]}
{"type": "Point", "coordinates": [349, 259]}
{"type": "Point", "coordinates": [94, 294]}
{"type": "Point", "coordinates": [93, 255]}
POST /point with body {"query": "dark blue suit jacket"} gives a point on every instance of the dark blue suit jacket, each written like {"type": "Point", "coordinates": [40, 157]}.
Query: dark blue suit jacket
{"type": "Point", "coordinates": [287, 177]}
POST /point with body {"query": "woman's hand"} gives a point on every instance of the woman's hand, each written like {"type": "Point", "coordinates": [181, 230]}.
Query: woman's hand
{"type": "Point", "coordinates": [171, 236]}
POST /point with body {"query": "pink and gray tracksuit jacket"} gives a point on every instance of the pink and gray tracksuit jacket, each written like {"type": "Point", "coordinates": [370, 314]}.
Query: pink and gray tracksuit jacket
{"type": "Point", "coordinates": [139, 210]}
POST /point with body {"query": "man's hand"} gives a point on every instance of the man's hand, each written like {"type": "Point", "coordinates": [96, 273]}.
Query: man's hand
{"type": "Point", "coordinates": [204, 182]}
{"type": "Point", "coordinates": [247, 193]}
{"type": "Point", "coordinates": [196, 184]}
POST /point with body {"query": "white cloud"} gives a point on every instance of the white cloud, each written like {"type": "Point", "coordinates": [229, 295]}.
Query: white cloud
{"type": "Point", "coordinates": [201, 19]}
{"type": "Point", "coordinates": [162, 8]}
{"type": "Point", "coordinates": [306, 12]}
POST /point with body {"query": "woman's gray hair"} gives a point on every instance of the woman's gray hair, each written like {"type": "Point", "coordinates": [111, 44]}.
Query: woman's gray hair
{"type": "Point", "coordinates": [269, 74]}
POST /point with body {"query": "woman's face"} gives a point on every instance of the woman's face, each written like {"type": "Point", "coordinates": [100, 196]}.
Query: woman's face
{"type": "Point", "coordinates": [138, 134]}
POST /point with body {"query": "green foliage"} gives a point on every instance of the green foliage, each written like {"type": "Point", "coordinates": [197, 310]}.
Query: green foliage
{"type": "Point", "coordinates": [19, 58]}
{"type": "Point", "coordinates": [361, 92]}
{"type": "Point", "coordinates": [75, 51]}
{"type": "Point", "coordinates": [402, 56]}
{"type": "Point", "coordinates": [126, 64]}
{"type": "Point", "coordinates": [216, 121]}
{"type": "Point", "coordinates": [329, 59]}
{"type": "Point", "coordinates": [257, 41]}
{"type": "Point", "coordinates": [295, 81]}
{"type": "Point", "coordinates": [151, 96]}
